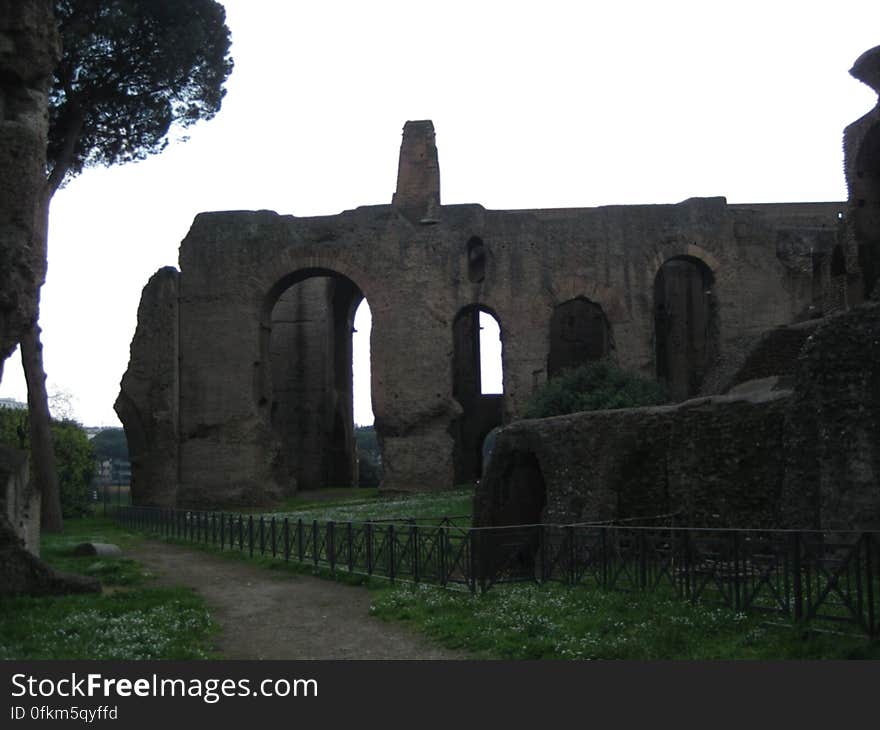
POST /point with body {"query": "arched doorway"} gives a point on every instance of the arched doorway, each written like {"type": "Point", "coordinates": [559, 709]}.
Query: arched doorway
{"type": "Point", "coordinates": [477, 384]}
{"type": "Point", "coordinates": [579, 333]}
{"type": "Point", "coordinates": [307, 341]}
{"type": "Point", "coordinates": [685, 325]}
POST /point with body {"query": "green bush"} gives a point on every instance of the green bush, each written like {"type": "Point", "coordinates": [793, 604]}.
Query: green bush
{"type": "Point", "coordinates": [74, 456]}
{"type": "Point", "coordinates": [596, 386]}
{"type": "Point", "coordinates": [369, 456]}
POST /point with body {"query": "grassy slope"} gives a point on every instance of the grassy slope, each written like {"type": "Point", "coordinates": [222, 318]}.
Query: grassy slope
{"type": "Point", "coordinates": [360, 505]}
{"type": "Point", "coordinates": [553, 621]}
{"type": "Point", "coordinates": [130, 620]}
{"type": "Point", "coordinates": [511, 622]}
{"type": "Point", "coordinates": [556, 622]}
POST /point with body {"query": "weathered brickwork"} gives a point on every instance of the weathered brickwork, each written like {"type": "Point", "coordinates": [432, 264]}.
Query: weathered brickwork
{"type": "Point", "coordinates": [831, 442]}
{"type": "Point", "coordinates": [420, 265]}
{"type": "Point", "coordinates": [763, 456]}
{"type": "Point", "coordinates": [709, 461]}
{"type": "Point", "coordinates": [151, 381]}
{"type": "Point", "coordinates": [861, 145]}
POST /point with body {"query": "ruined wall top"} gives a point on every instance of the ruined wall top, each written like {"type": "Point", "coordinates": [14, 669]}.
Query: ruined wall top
{"type": "Point", "coordinates": [867, 68]}
{"type": "Point", "coordinates": [418, 172]}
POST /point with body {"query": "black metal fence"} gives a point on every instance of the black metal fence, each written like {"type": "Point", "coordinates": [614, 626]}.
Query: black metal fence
{"type": "Point", "coordinates": [801, 575]}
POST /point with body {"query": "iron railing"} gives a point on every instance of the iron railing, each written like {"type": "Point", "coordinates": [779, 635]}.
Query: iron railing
{"type": "Point", "coordinates": [801, 575]}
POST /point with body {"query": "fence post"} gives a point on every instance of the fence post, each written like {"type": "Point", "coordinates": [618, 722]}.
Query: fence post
{"type": "Point", "coordinates": [797, 577]}
{"type": "Point", "coordinates": [299, 540]}
{"type": "Point", "coordinates": [250, 536]}
{"type": "Point", "coordinates": [315, 545]}
{"type": "Point", "coordinates": [240, 533]}
{"type": "Point", "coordinates": [604, 532]}
{"type": "Point", "coordinates": [472, 562]}
{"type": "Point", "coordinates": [286, 540]}
{"type": "Point", "coordinates": [737, 598]}
{"type": "Point", "coordinates": [331, 545]}
{"type": "Point", "coordinates": [222, 531]}
{"type": "Point", "coordinates": [262, 536]}
{"type": "Point", "coordinates": [869, 575]}
{"type": "Point", "coordinates": [442, 540]}
{"type": "Point", "coordinates": [542, 545]}
{"type": "Point", "coordinates": [414, 546]}
{"type": "Point", "coordinates": [272, 535]}
{"type": "Point", "coordinates": [369, 540]}
{"type": "Point", "coordinates": [391, 549]}
{"type": "Point", "coordinates": [350, 548]}
{"type": "Point", "coordinates": [643, 561]}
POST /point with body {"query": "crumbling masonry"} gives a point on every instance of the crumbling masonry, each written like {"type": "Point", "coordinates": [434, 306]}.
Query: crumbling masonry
{"type": "Point", "coordinates": [792, 443]}
{"type": "Point", "coordinates": [239, 386]}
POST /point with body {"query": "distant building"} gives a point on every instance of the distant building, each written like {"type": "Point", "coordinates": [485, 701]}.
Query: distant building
{"type": "Point", "coordinates": [113, 471]}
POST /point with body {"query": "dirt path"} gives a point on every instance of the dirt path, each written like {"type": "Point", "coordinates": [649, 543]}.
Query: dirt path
{"type": "Point", "coordinates": [264, 615]}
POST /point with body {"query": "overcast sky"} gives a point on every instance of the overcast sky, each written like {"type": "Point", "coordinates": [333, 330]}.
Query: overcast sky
{"type": "Point", "coordinates": [550, 104]}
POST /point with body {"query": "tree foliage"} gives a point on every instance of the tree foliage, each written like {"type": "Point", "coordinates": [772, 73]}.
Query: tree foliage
{"type": "Point", "coordinates": [596, 386]}
{"type": "Point", "coordinates": [110, 444]}
{"type": "Point", "coordinates": [131, 70]}
{"type": "Point", "coordinates": [76, 467]}
{"type": "Point", "coordinates": [75, 457]}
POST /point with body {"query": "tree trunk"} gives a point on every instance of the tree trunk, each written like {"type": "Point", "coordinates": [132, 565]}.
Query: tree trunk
{"type": "Point", "coordinates": [45, 473]}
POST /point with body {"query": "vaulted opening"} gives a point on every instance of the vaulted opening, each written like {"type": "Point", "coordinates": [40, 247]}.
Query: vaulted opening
{"type": "Point", "coordinates": [523, 494]}
{"type": "Point", "coordinates": [477, 384]}
{"type": "Point", "coordinates": [307, 389]}
{"type": "Point", "coordinates": [579, 333]}
{"type": "Point", "coordinates": [685, 325]}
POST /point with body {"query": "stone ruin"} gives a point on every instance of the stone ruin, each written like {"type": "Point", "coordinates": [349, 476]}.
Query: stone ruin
{"type": "Point", "coordinates": [793, 442]}
{"type": "Point", "coordinates": [239, 386]}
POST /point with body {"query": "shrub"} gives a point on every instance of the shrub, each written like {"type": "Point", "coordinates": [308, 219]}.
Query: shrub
{"type": "Point", "coordinates": [596, 386]}
{"type": "Point", "coordinates": [76, 467]}
{"type": "Point", "coordinates": [73, 453]}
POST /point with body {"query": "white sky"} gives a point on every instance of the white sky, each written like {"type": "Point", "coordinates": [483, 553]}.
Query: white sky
{"type": "Point", "coordinates": [550, 104]}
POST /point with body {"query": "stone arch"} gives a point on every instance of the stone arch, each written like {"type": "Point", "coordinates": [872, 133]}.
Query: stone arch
{"type": "Point", "coordinates": [304, 386]}
{"type": "Point", "coordinates": [480, 412]}
{"type": "Point", "coordinates": [865, 201]}
{"type": "Point", "coordinates": [523, 493]}
{"type": "Point", "coordinates": [680, 249]}
{"type": "Point", "coordinates": [579, 333]}
{"type": "Point", "coordinates": [685, 324]}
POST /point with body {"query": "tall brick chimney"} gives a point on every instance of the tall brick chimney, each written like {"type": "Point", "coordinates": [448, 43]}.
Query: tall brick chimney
{"type": "Point", "coordinates": [418, 173]}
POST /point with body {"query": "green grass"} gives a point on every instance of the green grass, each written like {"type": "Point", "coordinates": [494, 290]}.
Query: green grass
{"type": "Point", "coordinates": [552, 621]}
{"type": "Point", "coordinates": [56, 549]}
{"type": "Point", "coordinates": [367, 504]}
{"type": "Point", "coordinates": [129, 620]}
